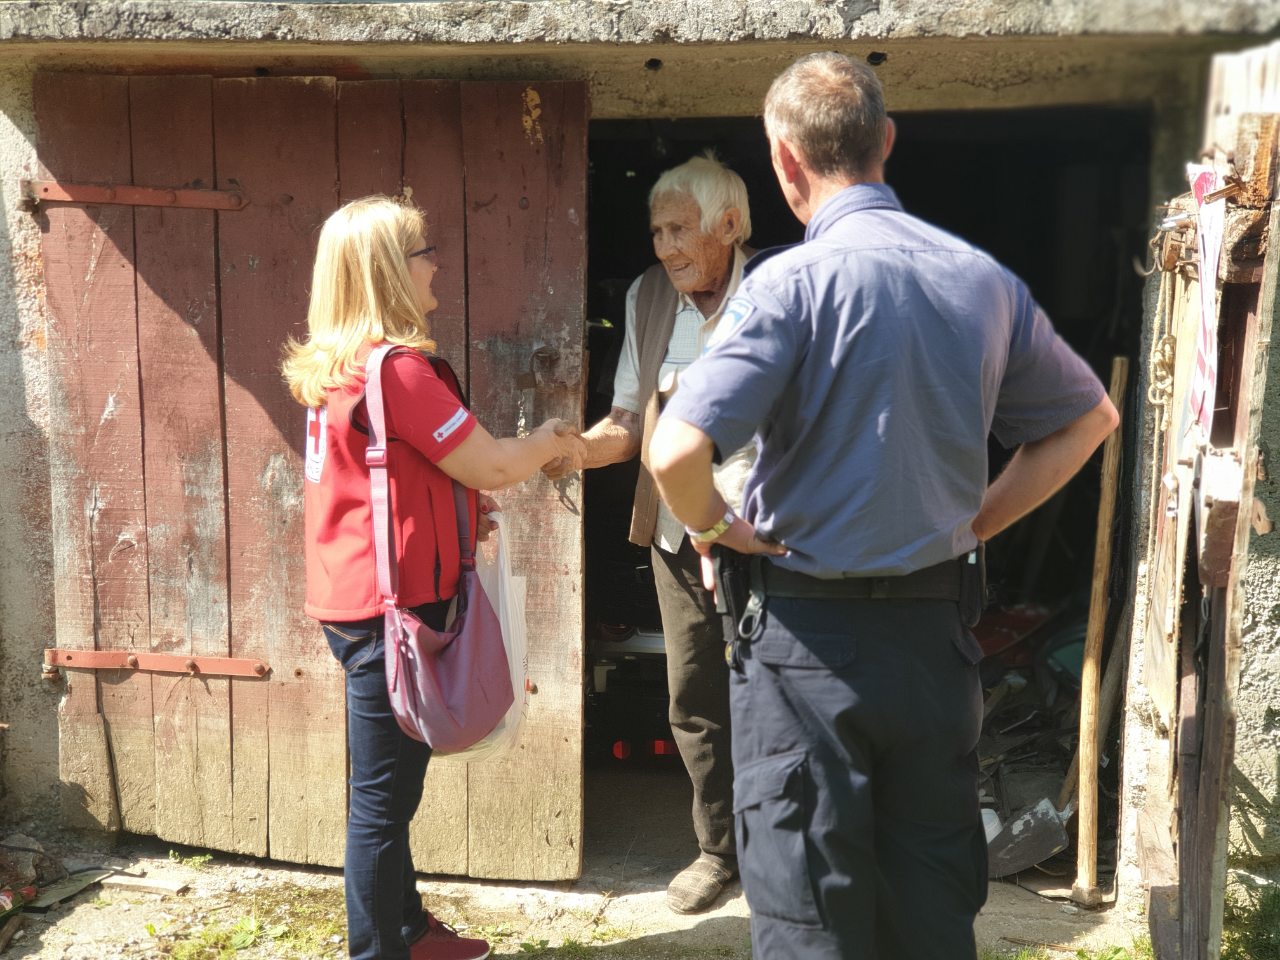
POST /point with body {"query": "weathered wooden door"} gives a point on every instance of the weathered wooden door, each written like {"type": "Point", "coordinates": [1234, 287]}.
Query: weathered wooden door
{"type": "Point", "coordinates": [175, 448]}
{"type": "Point", "coordinates": [1213, 328]}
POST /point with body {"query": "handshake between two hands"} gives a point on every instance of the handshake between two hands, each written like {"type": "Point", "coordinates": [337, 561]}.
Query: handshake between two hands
{"type": "Point", "coordinates": [571, 453]}
{"type": "Point", "coordinates": [572, 449]}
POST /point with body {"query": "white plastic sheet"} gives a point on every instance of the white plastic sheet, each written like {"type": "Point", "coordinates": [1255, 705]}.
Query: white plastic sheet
{"type": "Point", "coordinates": [507, 594]}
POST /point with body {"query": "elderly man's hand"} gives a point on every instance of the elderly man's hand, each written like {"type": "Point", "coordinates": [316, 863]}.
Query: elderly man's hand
{"type": "Point", "coordinates": [561, 467]}
{"type": "Point", "coordinates": [572, 455]}
{"type": "Point", "coordinates": [742, 537]}
{"type": "Point", "coordinates": [569, 462]}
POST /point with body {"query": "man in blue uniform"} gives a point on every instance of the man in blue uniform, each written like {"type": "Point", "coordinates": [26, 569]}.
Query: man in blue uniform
{"type": "Point", "coordinates": [870, 362]}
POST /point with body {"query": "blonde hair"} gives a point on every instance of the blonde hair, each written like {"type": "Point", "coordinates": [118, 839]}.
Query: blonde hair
{"type": "Point", "coordinates": [714, 188]}
{"type": "Point", "coordinates": [361, 292]}
{"type": "Point", "coordinates": [832, 108]}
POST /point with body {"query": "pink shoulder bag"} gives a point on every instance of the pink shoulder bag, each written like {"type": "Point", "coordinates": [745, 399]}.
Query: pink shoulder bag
{"type": "Point", "coordinates": [448, 688]}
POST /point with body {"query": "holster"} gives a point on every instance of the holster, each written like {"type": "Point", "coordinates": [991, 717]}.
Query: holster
{"type": "Point", "coordinates": [973, 585]}
{"type": "Point", "coordinates": [732, 573]}
{"type": "Point", "coordinates": [735, 601]}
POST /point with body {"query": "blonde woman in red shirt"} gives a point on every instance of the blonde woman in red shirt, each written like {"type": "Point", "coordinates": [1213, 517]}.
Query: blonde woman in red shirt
{"type": "Point", "coordinates": [372, 285]}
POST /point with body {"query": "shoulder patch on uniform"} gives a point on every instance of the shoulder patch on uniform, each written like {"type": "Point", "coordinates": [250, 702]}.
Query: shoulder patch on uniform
{"type": "Point", "coordinates": [317, 441]}
{"type": "Point", "coordinates": [735, 313]}
{"type": "Point", "coordinates": [444, 431]}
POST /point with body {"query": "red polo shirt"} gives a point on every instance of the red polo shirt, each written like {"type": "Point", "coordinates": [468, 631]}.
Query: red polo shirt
{"type": "Point", "coordinates": [426, 421]}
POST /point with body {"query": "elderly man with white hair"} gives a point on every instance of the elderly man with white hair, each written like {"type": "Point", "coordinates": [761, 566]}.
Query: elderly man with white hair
{"type": "Point", "coordinates": [700, 221]}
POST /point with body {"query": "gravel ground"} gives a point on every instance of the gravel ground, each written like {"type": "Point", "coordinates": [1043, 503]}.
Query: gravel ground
{"type": "Point", "coordinates": [256, 909]}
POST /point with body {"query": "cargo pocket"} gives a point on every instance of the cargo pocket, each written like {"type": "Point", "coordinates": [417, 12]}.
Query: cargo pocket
{"type": "Point", "coordinates": [772, 808]}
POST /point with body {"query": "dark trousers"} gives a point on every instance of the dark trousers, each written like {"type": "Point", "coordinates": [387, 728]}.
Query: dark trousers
{"type": "Point", "coordinates": [855, 728]}
{"type": "Point", "coordinates": [698, 680]}
{"type": "Point", "coordinates": [384, 911]}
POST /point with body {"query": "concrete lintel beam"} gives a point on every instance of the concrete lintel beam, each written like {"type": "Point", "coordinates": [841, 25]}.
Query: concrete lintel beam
{"type": "Point", "coordinates": [616, 21]}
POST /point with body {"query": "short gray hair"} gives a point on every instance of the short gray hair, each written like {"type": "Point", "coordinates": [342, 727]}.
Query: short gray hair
{"type": "Point", "coordinates": [714, 188]}
{"type": "Point", "coordinates": [832, 109]}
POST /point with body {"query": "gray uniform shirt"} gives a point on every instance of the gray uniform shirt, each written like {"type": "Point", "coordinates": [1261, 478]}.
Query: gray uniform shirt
{"type": "Point", "coordinates": [870, 362]}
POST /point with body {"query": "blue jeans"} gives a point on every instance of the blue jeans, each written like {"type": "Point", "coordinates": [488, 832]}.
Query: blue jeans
{"type": "Point", "coordinates": [384, 911]}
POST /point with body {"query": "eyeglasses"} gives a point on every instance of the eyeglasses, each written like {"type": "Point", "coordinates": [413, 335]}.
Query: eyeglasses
{"type": "Point", "coordinates": [428, 252]}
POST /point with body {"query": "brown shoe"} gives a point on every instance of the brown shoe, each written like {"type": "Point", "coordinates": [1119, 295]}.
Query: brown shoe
{"type": "Point", "coordinates": [696, 886]}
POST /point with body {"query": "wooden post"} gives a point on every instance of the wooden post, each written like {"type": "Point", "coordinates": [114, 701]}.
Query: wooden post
{"type": "Point", "coordinates": [1108, 700]}
{"type": "Point", "coordinates": [10, 928]}
{"type": "Point", "coordinates": [1086, 885]}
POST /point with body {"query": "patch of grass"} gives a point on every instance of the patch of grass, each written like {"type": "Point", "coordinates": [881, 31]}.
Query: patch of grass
{"type": "Point", "coordinates": [1141, 951]}
{"type": "Point", "coordinates": [299, 922]}
{"type": "Point", "coordinates": [570, 949]}
{"type": "Point", "coordinates": [575, 950]}
{"type": "Point", "coordinates": [197, 862]}
{"type": "Point", "coordinates": [608, 933]}
{"type": "Point", "coordinates": [594, 927]}
{"type": "Point", "coordinates": [495, 933]}
{"type": "Point", "coordinates": [1110, 953]}
{"type": "Point", "coordinates": [223, 941]}
{"type": "Point", "coordinates": [315, 918]}
{"type": "Point", "coordinates": [1251, 924]}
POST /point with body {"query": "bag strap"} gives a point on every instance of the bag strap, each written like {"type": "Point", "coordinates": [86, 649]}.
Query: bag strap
{"type": "Point", "coordinates": [375, 458]}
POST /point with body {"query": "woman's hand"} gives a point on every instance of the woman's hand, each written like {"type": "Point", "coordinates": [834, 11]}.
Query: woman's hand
{"type": "Point", "coordinates": [486, 507]}
{"type": "Point", "coordinates": [483, 463]}
{"type": "Point", "coordinates": [571, 449]}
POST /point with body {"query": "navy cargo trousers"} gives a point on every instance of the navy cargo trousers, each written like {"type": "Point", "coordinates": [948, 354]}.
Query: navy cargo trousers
{"type": "Point", "coordinates": [855, 724]}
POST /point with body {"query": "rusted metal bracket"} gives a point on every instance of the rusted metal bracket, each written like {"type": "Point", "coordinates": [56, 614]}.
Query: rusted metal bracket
{"type": "Point", "coordinates": [36, 192]}
{"type": "Point", "coordinates": [154, 662]}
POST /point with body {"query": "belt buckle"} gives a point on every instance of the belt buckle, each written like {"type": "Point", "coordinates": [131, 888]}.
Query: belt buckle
{"type": "Point", "coordinates": [879, 588]}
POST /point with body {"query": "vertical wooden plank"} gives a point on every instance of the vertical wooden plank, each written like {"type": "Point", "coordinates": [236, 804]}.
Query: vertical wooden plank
{"type": "Point", "coordinates": [1173, 511]}
{"type": "Point", "coordinates": [178, 354]}
{"type": "Point", "coordinates": [1229, 605]}
{"type": "Point", "coordinates": [274, 140]}
{"type": "Point", "coordinates": [433, 180]}
{"type": "Point", "coordinates": [99, 535]}
{"type": "Point", "coordinates": [376, 131]}
{"type": "Point", "coordinates": [1190, 754]}
{"type": "Point", "coordinates": [370, 139]}
{"type": "Point", "coordinates": [525, 156]}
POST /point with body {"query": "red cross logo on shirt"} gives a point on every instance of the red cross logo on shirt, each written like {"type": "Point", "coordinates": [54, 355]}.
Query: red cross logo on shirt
{"type": "Point", "coordinates": [317, 442]}
{"type": "Point", "coordinates": [314, 428]}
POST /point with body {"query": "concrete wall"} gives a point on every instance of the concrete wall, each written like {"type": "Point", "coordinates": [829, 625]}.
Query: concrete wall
{"type": "Point", "coordinates": [1254, 843]}
{"type": "Point", "coordinates": [624, 21]}
{"type": "Point", "coordinates": [29, 761]}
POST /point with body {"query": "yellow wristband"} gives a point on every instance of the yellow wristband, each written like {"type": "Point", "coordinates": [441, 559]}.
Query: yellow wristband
{"type": "Point", "coordinates": [714, 531]}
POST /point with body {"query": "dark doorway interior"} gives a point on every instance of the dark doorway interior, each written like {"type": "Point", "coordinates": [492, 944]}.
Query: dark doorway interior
{"type": "Point", "coordinates": [1061, 197]}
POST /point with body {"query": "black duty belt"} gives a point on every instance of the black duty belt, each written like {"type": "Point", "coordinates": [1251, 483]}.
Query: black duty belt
{"type": "Point", "coordinates": [942, 581]}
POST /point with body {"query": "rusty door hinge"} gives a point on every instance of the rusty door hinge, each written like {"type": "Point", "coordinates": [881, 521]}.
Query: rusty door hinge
{"type": "Point", "coordinates": [36, 192]}
{"type": "Point", "coordinates": [155, 662]}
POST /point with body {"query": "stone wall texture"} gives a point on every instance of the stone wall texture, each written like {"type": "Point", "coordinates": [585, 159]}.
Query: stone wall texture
{"type": "Point", "coordinates": [1254, 843]}
{"type": "Point", "coordinates": [622, 21]}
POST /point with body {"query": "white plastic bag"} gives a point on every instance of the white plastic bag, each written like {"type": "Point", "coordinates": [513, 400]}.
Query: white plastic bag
{"type": "Point", "coordinates": [507, 594]}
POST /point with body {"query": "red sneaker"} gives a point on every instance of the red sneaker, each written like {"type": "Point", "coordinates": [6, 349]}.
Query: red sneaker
{"type": "Point", "coordinates": [442, 942]}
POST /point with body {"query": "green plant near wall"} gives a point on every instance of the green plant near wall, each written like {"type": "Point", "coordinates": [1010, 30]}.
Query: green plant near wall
{"type": "Point", "coordinates": [1141, 950]}
{"type": "Point", "coordinates": [1251, 923]}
